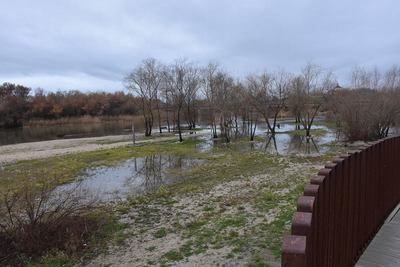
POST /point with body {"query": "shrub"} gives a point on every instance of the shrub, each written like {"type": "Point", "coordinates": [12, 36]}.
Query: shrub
{"type": "Point", "coordinates": [366, 114]}
{"type": "Point", "coordinates": [37, 220]}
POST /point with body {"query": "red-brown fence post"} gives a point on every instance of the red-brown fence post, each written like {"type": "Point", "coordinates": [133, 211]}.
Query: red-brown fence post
{"type": "Point", "coordinates": [343, 206]}
{"type": "Point", "coordinates": [294, 251]}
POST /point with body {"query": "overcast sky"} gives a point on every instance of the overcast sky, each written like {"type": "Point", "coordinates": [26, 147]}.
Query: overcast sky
{"type": "Point", "coordinates": [92, 44]}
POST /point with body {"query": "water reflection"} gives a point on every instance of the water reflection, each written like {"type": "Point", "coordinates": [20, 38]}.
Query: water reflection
{"type": "Point", "coordinates": [271, 137]}
{"type": "Point", "coordinates": [292, 143]}
{"type": "Point", "coordinates": [287, 140]}
{"type": "Point", "coordinates": [133, 176]}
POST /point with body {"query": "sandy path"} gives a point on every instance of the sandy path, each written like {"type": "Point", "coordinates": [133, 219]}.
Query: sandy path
{"type": "Point", "coordinates": [45, 149]}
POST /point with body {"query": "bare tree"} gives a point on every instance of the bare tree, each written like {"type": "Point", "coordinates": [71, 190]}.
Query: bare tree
{"type": "Point", "coordinates": [236, 104]}
{"type": "Point", "coordinates": [209, 90]}
{"type": "Point", "coordinates": [362, 77]}
{"type": "Point", "coordinates": [182, 78]}
{"type": "Point", "coordinates": [259, 89]}
{"type": "Point", "coordinates": [267, 94]}
{"type": "Point", "coordinates": [145, 80]}
{"type": "Point", "coordinates": [168, 105]}
{"type": "Point", "coordinates": [392, 78]}
{"type": "Point", "coordinates": [225, 102]}
{"type": "Point", "coordinates": [367, 114]}
{"type": "Point", "coordinates": [312, 84]}
{"type": "Point", "coordinates": [296, 98]}
{"type": "Point", "coordinates": [190, 102]}
{"type": "Point", "coordinates": [223, 85]}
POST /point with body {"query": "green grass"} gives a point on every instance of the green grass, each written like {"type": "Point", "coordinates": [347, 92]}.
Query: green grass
{"type": "Point", "coordinates": [266, 200]}
{"type": "Point", "coordinates": [281, 224]}
{"type": "Point", "coordinates": [173, 255]}
{"type": "Point", "coordinates": [231, 221]}
{"type": "Point", "coordinates": [160, 233]}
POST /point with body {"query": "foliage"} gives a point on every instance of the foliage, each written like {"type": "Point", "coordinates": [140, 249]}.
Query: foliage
{"type": "Point", "coordinates": [13, 104]}
{"type": "Point", "coordinates": [17, 105]}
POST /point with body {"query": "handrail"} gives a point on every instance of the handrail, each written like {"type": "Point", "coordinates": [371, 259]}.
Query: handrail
{"type": "Point", "coordinates": [344, 206]}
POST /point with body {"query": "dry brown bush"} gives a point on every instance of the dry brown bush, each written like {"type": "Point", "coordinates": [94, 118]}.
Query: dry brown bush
{"type": "Point", "coordinates": [365, 114]}
{"type": "Point", "coordinates": [36, 219]}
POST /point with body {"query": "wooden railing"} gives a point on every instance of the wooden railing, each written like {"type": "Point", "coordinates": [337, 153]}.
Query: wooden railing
{"type": "Point", "coordinates": [344, 206]}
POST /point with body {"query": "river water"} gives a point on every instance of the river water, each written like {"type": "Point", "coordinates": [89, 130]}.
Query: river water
{"type": "Point", "coordinates": [64, 131]}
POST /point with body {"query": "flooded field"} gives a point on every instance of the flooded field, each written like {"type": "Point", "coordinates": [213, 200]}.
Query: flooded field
{"type": "Point", "coordinates": [202, 202]}
{"type": "Point", "coordinates": [145, 174]}
{"type": "Point", "coordinates": [289, 139]}
{"type": "Point", "coordinates": [132, 177]}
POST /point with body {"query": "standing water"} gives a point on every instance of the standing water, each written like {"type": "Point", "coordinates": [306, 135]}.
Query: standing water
{"type": "Point", "coordinates": [287, 140]}
{"type": "Point", "coordinates": [132, 177]}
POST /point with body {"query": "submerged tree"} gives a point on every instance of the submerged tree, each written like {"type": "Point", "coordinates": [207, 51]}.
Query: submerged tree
{"type": "Point", "coordinates": [223, 90]}
{"type": "Point", "coordinates": [182, 79]}
{"type": "Point", "coordinates": [209, 74]}
{"type": "Point", "coordinates": [308, 92]}
{"type": "Point", "coordinates": [267, 94]}
{"type": "Point", "coordinates": [145, 81]}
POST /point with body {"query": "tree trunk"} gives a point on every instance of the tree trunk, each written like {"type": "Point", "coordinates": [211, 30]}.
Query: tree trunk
{"type": "Point", "coordinates": [236, 126]}
{"type": "Point", "coordinates": [169, 129]}
{"type": "Point", "coordinates": [133, 134]}
{"type": "Point", "coordinates": [159, 117]}
{"type": "Point", "coordinates": [194, 116]}
{"type": "Point", "coordinates": [179, 124]}
{"type": "Point", "coordinates": [253, 131]}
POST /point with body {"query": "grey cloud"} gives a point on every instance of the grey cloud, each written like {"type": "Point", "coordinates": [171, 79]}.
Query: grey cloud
{"type": "Point", "coordinates": [91, 45]}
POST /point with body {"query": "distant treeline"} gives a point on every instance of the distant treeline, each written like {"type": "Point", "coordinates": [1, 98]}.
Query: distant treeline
{"type": "Point", "coordinates": [17, 104]}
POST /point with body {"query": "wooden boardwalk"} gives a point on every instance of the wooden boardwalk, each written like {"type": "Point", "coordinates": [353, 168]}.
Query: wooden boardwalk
{"type": "Point", "coordinates": [384, 249]}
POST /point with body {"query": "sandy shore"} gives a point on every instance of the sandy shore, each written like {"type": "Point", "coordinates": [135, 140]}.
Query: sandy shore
{"type": "Point", "coordinates": [45, 149]}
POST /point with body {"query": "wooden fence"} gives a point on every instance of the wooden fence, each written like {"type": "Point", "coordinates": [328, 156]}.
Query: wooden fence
{"type": "Point", "coordinates": [344, 206]}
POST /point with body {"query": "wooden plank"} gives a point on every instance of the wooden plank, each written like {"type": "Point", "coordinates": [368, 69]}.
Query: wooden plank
{"type": "Point", "coordinates": [384, 249]}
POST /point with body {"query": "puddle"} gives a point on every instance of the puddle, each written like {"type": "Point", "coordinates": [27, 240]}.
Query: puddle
{"type": "Point", "coordinates": [132, 177]}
